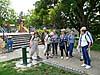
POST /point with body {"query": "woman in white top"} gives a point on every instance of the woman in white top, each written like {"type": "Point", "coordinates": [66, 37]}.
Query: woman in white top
{"type": "Point", "coordinates": [85, 44]}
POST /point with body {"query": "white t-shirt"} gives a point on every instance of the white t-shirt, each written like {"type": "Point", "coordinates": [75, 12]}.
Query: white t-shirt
{"type": "Point", "coordinates": [84, 39]}
{"type": "Point", "coordinates": [47, 39]}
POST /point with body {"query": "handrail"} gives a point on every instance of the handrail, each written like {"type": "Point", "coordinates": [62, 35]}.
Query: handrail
{"type": "Point", "coordinates": [2, 29]}
{"type": "Point", "coordinates": [12, 34]}
{"type": "Point", "coordinates": [3, 35]}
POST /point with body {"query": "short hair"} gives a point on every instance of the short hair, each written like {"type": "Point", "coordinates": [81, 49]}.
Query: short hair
{"type": "Point", "coordinates": [21, 21]}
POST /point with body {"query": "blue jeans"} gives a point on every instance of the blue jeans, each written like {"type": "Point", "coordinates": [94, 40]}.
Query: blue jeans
{"type": "Point", "coordinates": [9, 45]}
{"type": "Point", "coordinates": [86, 57]}
{"type": "Point", "coordinates": [71, 46]}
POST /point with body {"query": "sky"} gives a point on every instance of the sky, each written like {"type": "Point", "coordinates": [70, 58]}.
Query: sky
{"type": "Point", "coordinates": [22, 5]}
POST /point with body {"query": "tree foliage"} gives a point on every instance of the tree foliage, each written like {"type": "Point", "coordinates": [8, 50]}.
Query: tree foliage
{"type": "Point", "coordinates": [7, 14]}
{"type": "Point", "coordinates": [68, 13]}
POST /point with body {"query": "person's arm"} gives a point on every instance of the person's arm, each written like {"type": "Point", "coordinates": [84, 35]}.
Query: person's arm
{"type": "Point", "coordinates": [31, 41]}
{"type": "Point", "coordinates": [19, 28]}
{"type": "Point", "coordinates": [68, 37]}
{"type": "Point", "coordinates": [31, 38]}
{"type": "Point", "coordinates": [26, 29]}
{"type": "Point", "coordinates": [74, 39]}
{"type": "Point", "coordinates": [79, 41]}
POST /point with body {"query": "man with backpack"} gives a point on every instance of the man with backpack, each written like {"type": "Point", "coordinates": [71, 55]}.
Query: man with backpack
{"type": "Point", "coordinates": [85, 44]}
{"type": "Point", "coordinates": [90, 37]}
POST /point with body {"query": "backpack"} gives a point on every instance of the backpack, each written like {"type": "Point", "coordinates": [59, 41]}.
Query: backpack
{"type": "Point", "coordinates": [90, 37]}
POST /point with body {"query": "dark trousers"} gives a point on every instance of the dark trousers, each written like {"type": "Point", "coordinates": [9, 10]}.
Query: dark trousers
{"type": "Point", "coordinates": [71, 46]}
{"type": "Point", "coordinates": [54, 50]}
{"type": "Point", "coordinates": [64, 48]}
{"type": "Point", "coordinates": [48, 49]}
{"type": "Point", "coordinates": [86, 55]}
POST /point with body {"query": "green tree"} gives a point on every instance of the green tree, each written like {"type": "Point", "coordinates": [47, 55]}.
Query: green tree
{"type": "Point", "coordinates": [7, 14]}
{"type": "Point", "coordinates": [83, 13]}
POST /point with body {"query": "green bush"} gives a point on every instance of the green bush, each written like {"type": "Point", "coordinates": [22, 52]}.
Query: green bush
{"type": "Point", "coordinates": [96, 46]}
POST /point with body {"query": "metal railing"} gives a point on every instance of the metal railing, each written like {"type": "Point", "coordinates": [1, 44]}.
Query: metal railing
{"type": "Point", "coordinates": [3, 33]}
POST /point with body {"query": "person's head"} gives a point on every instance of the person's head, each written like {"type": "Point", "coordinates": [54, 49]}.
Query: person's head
{"type": "Point", "coordinates": [83, 32]}
{"type": "Point", "coordinates": [83, 28]}
{"type": "Point", "coordinates": [55, 31]}
{"type": "Point", "coordinates": [44, 29]}
{"type": "Point", "coordinates": [72, 32]}
{"type": "Point", "coordinates": [51, 34]}
{"type": "Point", "coordinates": [63, 31]}
{"type": "Point", "coordinates": [21, 23]}
{"type": "Point", "coordinates": [35, 32]}
{"type": "Point", "coordinates": [9, 37]}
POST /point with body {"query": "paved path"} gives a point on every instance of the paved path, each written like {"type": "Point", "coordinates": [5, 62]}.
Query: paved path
{"type": "Point", "coordinates": [72, 62]}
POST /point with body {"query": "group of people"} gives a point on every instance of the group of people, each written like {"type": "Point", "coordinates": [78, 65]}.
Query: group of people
{"type": "Point", "coordinates": [51, 42]}
{"type": "Point", "coordinates": [65, 42]}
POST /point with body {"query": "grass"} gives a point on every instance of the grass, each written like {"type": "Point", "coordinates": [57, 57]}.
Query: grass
{"type": "Point", "coordinates": [96, 46]}
{"type": "Point", "coordinates": [7, 68]}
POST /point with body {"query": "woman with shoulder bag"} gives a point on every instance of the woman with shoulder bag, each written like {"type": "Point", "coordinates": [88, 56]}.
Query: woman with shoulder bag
{"type": "Point", "coordinates": [63, 43]}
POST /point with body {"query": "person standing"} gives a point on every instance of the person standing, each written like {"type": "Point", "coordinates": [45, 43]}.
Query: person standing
{"type": "Point", "coordinates": [91, 39]}
{"type": "Point", "coordinates": [48, 42]}
{"type": "Point", "coordinates": [63, 43]}
{"type": "Point", "coordinates": [9, 44]}
{"type": "Point", "coordinates": [44, 33]}
{"type": "Point", "coordinates": [21, 27]}
{"type": "Point", "coordinates": [85, 44]}
{"type": "Point", "coordinates": [71, 40]}
{"type": "Point", "coordinates": [54, 42]}
{"type": "Point", "coordinates": [34, 45]}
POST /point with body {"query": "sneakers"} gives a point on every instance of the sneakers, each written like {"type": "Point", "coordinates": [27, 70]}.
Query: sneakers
{"type": "Point", "coordinates": [83, 65]}
{"type": "Point", "coordinates": [88, 67]}
{"type": "Point", "coordinates": [62, 57]}
{"type": "Point", "coordinates": [71, 56]}
{"type": "Point", "coordinates": [67, 58]}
